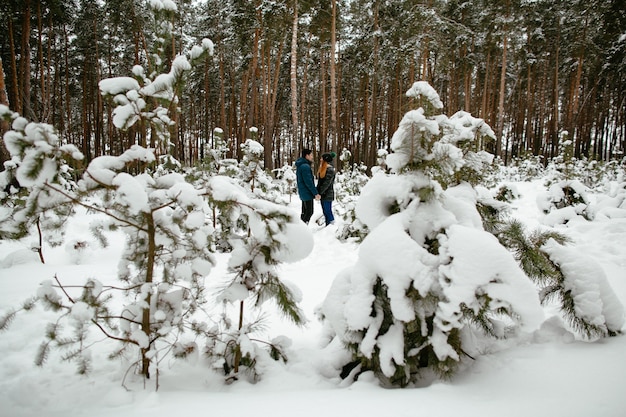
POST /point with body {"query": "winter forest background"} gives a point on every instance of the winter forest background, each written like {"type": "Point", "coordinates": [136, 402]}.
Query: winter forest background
{"type": "Point", "coordinates": [325, 74]}
{"type": "Point", "coordinates": [480, 166]}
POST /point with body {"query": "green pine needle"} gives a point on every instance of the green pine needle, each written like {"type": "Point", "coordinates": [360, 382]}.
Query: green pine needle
{"type": "Point", "coordinates": [42, 353]}
{"type": "Point", "coordinates": [7, 319]}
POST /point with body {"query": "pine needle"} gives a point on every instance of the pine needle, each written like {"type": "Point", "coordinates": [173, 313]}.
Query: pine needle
{"type": "Point", "coordinates": [6, 319]}
{"type": "Point", "coordinates": [42, 353]}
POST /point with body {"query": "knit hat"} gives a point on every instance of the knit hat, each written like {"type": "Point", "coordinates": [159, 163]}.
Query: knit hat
{"type": "Point", "coordinates": [328, 157]}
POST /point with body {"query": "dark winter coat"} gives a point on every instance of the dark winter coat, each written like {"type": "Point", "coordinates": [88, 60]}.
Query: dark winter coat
{"type": "Point", "coordinates": [305, 181]}
{"type": "Point", "coordinates": [325, 185]}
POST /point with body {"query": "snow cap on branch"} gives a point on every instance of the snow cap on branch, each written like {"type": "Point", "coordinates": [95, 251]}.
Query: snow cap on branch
{"type": "Point", "coordinates": [425, 90]}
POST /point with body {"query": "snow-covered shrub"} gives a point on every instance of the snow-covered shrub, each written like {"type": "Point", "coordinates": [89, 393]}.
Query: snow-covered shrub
{"type": "Point", "coordinates": [157, 213]}
{"type": "Point", "coordinates": [611, 204]}
{"type": "Point", "coordinates": [583, 291]}
{"type": "Point", "coordinates": [286, 180]}
{"type": "Point", "coordinates": [429, 280]}
{"type": "Point", "coordinates": [563, 274]}
{"type": "Point", "coordinates": [252, 174]}
{"type": "Point", "coordinates": [565, 162]}
{"type": "Point", "coordinates": [233, 352]}
{"type": "Point", "coordinates": [563, 201]}
{"type": "Point", "coordinates": [348, 184]}
{"type": "Point", "coordinates": [213, 157]}
{"type": "Point", "coordinates": [167, 223]}
{"type": "Point", "coordinates": [523, 169]}
{"type": "Point", "coordinates": [267, 234]}
{"type": "Point", "coordinates": [26, 202]}
{"type": "Point", "coordinates": [506, 193]}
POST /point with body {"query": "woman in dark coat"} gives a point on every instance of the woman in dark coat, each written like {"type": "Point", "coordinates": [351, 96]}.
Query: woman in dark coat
{"type": "Point", "coordinates": [325, 186]}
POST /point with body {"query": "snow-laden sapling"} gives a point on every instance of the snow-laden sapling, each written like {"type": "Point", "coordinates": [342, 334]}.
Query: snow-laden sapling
{"type": "Point", "coordinates": [252, 174]}
{"type": "Point", "coordinates": [566, 197]}
{"type": "Point", "coordinates": [349, 183]}
{"type": "Point", "coordinates": [25, 202]}
{"type": "Point", "coordinates": [286, 180]}
{"type": "Point", "coordinates": [263, 235]}
{"type": "Point", "coordinates": [430, 282]}
{"type": "Point", "coordinates": [168, 241]}
{"type": "Point", "coordinates": [563, 274]}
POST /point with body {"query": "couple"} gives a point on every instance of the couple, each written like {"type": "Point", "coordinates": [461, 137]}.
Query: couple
{"type": "Point", "coordinates": [306, 186]}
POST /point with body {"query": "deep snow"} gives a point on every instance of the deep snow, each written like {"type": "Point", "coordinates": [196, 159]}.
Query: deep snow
{"type": "Point", "coordinates": [548, 373]}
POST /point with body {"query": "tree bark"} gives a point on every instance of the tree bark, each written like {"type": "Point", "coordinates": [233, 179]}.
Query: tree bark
{"type": "Point", "coordinates": [145, 318]}
{"type": "Point", "coordinates": [333, 81]}
{"type": "Point", "coordinates": [25, 63]}
{"type": "Point", "coordinates": [295, 129]}
{"type": "Point", "coordinates": [4, 126]}
{"type": "Point", "coordinates": [500, 128]}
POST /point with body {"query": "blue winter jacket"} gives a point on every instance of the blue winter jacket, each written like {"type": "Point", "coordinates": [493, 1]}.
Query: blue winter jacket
{"type": "Point", "coordinates": [304, 177]}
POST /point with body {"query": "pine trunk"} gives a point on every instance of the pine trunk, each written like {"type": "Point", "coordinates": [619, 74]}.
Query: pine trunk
{"type": "Point", "coordinates": [500, 128]}
{"type": "Point", "coordinates": [295, 129]}
{"type": "Point", "coordinates": [4, 126]}
{"type": "Point", "coordinates": [17, 99]}
{"type": "Point", "coordinates": [145, 318]}
{"type": "Point", "coordinates": [333, 81]}
{"type": "Point", "coordinates": [25, 63]}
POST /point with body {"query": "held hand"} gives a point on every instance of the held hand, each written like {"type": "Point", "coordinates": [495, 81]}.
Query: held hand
{"type": "Point", "coordinates": [318, 197]}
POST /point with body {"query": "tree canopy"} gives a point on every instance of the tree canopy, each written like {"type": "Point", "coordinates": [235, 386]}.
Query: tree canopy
{"type": "Point", "coordinates": [530, 69]}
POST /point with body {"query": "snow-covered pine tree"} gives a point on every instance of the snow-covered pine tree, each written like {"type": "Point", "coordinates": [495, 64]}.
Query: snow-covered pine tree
{"type": "Point", "coordinates": [157, 213]}
{"type": "Point", "coordinates": [252, 174]}
{"type": "Point", "coordinates": [576, 283]}
{"type": "Point", "coordinates": [286, 179]}
{"type": "Point", "coordinates": [572, 279]}
{"type": "Point", "coordinates": [164, 217]}
{"type": "Point", "coordinates": [349, 183]}
{"type": "Point", "coordinates": [429, 281]}
{"type": "Point", "coordinates": [167, 254]}
{"type": "Point", "coordinates": [567, 197]}
{"type": "Point", "coordinates": [215, 163]}
{"type": "Point", "coordinates": [262, 234]}
{"type": "Point", "coordinates": [215, 154]}
{"type": "Point", "coordinates": [26, 202]}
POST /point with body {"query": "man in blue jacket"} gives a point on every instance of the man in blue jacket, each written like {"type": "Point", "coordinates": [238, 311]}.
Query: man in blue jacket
{"type": "Point", "coordinates": [306, 185]}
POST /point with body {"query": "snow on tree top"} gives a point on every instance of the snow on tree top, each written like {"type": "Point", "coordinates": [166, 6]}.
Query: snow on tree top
{"type": "Point", "coordinates": [207, 44]}
{"type": "Point", "coordinates": [163, 5]}
{"type": "Point", "coordinates": [117, 85]}
{"type": "Point", "coordinates": [422, 88]}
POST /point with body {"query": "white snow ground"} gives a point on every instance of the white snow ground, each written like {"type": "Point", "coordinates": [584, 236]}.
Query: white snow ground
{"type": "Point", "coordinates": [548, 374]}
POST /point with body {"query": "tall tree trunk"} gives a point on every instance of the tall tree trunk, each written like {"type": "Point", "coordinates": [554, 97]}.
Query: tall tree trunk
{"type": "Point", "coordinates": [573, 108]}
{"type": "Point", "coordinates": [530, 108]}
{"type": "Point", "coordinates": [25, 63]}
{"type": "Point", "coordinates": [67, 101]}
{"type": "Point", "coordinates": [554, 125]}
{"type": "Point", "coordinates": [333, 81]}
{"type": "Point", "coordinates": [295, 129]}
{"type": "Point", "coordinates": [44, 96]}
{"type": "Point", "coordinates": [303, 97]}
{"type": "Point", "coordinates": [248, 104]}
{"type": "Point", "coordinates": [145, 318]}
{"type": "Point", "coordinates": [243, 104]}
{"type": "Point", "coordinates": [500, 126]}
{"type": "Point", "coordinates": [270, 113]}
{"type": "Point", "coordinates": [17, 98]}
{"type": "Point", "coordinates": [541, 143]}
{"type": "Point", "coordinates": [370, 134]}
{"type": "Point", "coordinates": [97, 104]}
{"type": "Point", "coordinates": [323, 108]}
{"type": "Point", "coordinates": [486, 92]}
{"type": "Point", "coordinates": [4, 126]}
{"type": "Point", "coordinates": [223, 124]}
